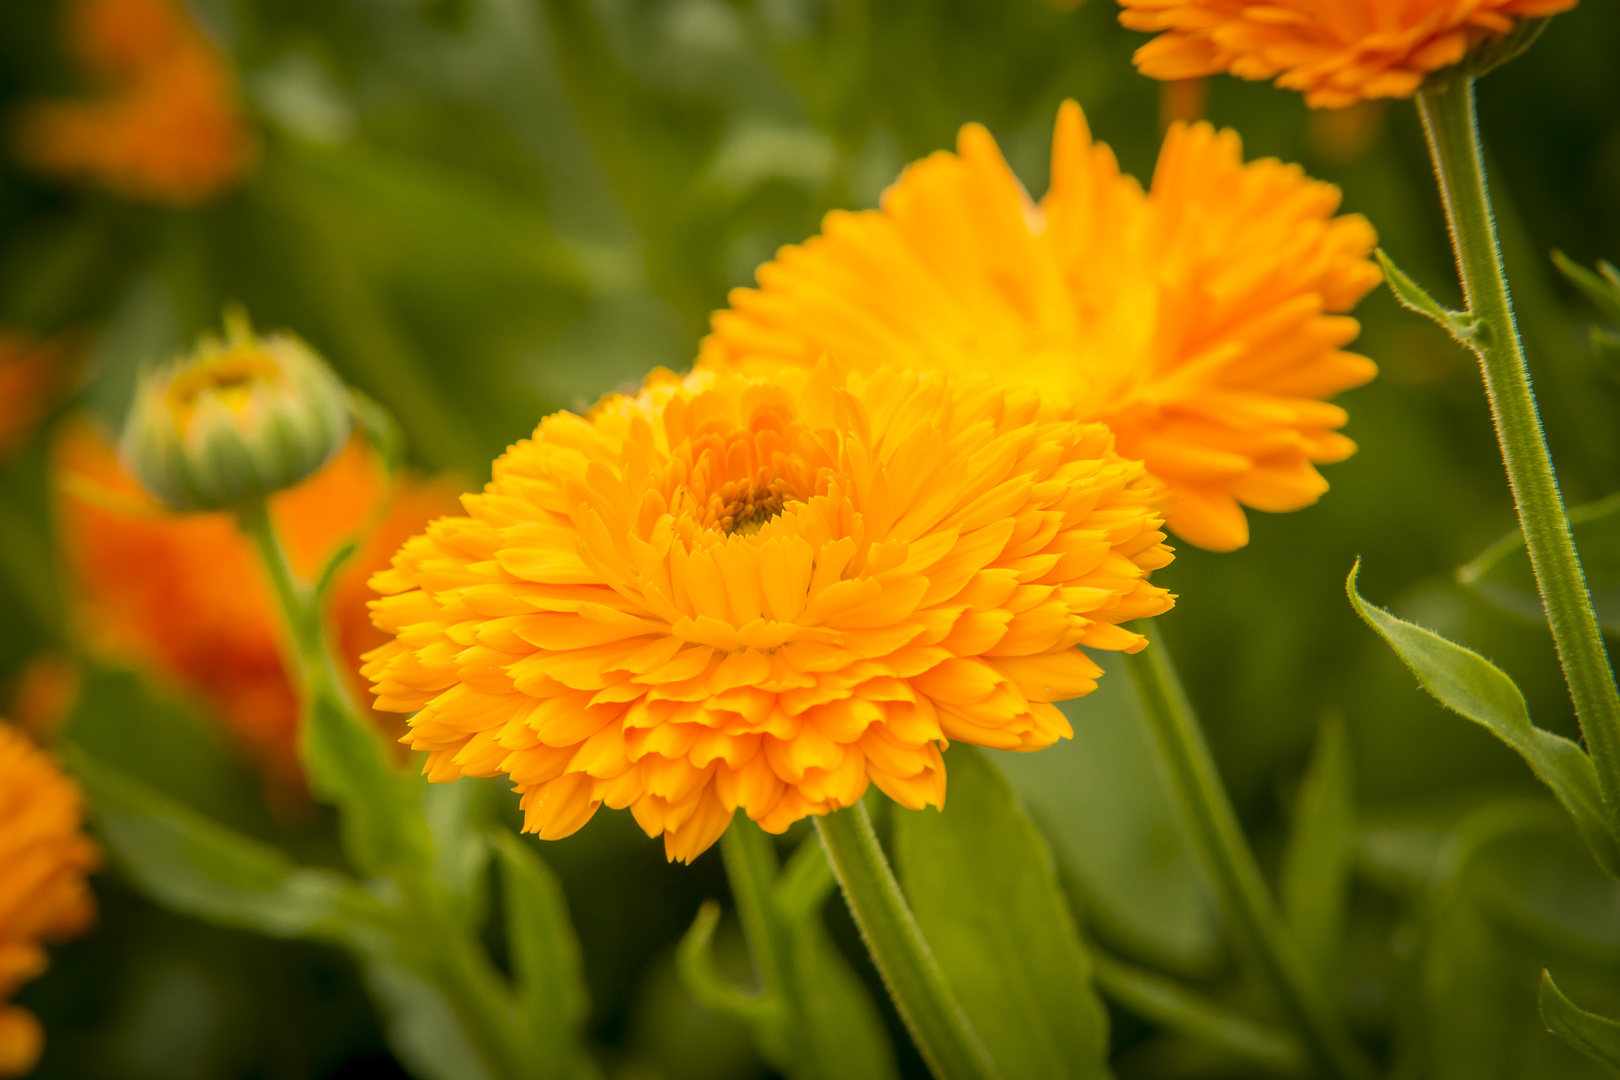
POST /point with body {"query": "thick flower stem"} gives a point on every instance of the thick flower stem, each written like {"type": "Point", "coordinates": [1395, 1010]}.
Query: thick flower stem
{"type": "Point", "coordinates": [1244, 893]}
{"type": "Point", "coordinates": [1449, 122]}
{"type": "Point", "coordinates": [932, 1014]}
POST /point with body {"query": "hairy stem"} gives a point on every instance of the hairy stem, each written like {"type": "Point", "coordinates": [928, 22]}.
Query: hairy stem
{"type": "Point", "coordinates": [926, 1002]}
{"type": "Point", "coordinates": [1450, 124]}
{"type": "Point", "coordinates": [1248, 901]}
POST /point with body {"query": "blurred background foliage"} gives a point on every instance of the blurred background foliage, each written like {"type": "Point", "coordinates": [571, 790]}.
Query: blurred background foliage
{"type": "Point", "coordinates": [482, 211]}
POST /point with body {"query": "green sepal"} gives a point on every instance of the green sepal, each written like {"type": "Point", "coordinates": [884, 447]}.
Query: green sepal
{"type": "Point", "coordinates": [1597, 1037]}
{"type": "Point", "coordinates": [1467, 683]}
{"type": "Point", "coordinates": [1467, 329]}
{"type": "Point", "coordinates": [983, 886]}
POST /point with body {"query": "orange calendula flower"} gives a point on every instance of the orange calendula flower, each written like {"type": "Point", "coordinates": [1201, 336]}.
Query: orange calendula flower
{"type": "Point", "coordinates": [1200, 320]}
{"type": "Point", "coordinates": [183, 594]}
{"type": "Point", "coordinates": [729, 593]}
{"type": "Point", "coordinates": [43, 896]}
{"type": "Point", "coordinates": [1336, 52]}
{"type": "Point", "coordinates": [166, 128]}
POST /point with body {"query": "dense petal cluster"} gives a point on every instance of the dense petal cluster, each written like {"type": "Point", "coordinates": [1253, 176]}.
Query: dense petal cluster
{"type": "Point", "coordinates": [182, 594]}
{"type": "Point", "coordinates": [1336, 52]}
{"type": "Point", "coordinates": [731, 593]}
{"type": "Point", "coordinates": [1200, 320]}
{"type": "Point", "coordinates": [43, 896]}
{"type": "Point", "coordinates": [166, 127]}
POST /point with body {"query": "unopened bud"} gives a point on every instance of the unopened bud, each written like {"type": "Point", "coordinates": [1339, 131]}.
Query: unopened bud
{"type": "Point", "coordinates": [235, 420]}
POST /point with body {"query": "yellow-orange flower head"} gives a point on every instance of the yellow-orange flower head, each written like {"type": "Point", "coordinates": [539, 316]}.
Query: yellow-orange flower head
{"type": "Point", "coordinates": [729, 592]}
{"type": "Point", "coordinates": [1198, 320]}
{"type": "Point", "coordinates": [1336, 52]}
{"type": "Point", "coordinates": [43, 897]}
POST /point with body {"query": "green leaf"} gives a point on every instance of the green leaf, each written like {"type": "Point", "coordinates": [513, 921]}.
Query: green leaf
{"type": "Point", "coordinates": [1176, 1008]}
{"type": "Point", "coordinates": [982, 884]}
{"type": "Point", "coordinates": [1602, 288]}
{"type": "Point", "coordinates": [813, 1017]}
{"type": "Point", "coordinates": [1104, 802]}
{"type": "Point", "coordinates": [547, 968]}
{"type": "Point", "coordinates": [1459, 324]}
{"type": "Point", "coordinates": [1503, 576]}
{"type": "Point", "coordinates": [1597, 1037]}
{"type": "Point", "coordinates": [197, 867]}
{"type": "Point", "coordinates": [1467, 683]}
{"type": "Point", "coordinates": [421, 1025]}
{"type": "Point", "coordinates": [1315, 877]}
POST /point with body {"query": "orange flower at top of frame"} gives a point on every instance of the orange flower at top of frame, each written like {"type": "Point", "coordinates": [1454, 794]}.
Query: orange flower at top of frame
{"type": "Point", "coordinates": [166, 126]}
{"type": "Point", "coordinates": [44, 858]}
{"type": "Point", "coordinates": [183, 594]}
{"type": "Point", "coordinates": [1201, 319]}
{"type": "Point", "coordinates": [731, 593]}
{"type": "Point", "coordinates": [1336, 52]}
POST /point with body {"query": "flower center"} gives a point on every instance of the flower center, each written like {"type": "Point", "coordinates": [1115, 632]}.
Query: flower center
{"type": "Point", "coordinates": [231, 377]}
{"type": "Point", "coordinates": [744, 506]}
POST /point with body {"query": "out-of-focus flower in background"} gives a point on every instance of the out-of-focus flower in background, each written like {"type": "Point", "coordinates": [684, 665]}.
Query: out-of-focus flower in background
{"type": "Point", "coordinates": [32, 369]}
{"type": "Point", "coordinates": [1336, 53]}
{"type": "Point", "coordinates": [732, 592]}
{"type": "Point", "coordinates": [1200, 320]}
{"type": "Point", "coordinates": [164, 124]}
{"type": "Point", "coordinates": [43, 896]}
{"type": "Point", "coordinates": [183, 594]}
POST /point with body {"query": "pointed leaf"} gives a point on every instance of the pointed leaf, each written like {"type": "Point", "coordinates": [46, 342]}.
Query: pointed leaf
{"type": "Point", "coordinates": [1467, 683]}
{"type": "Point", "coordinates": [421, 1025]}
{"type": "Point", "coordinates": [194, 866]}
{"type": "Point", "coordinates": [702, 978]}
{"type": "Point", "coordinates": [1315, 878]}
{"type": "Point", "coordinates": [1597, 1037]}
{"type": "Point", "coordinates": [547, 968]}
{"type": "Point", "coordinates": [1459, 324]}
{"type": "Point", "coordinates": [982, 884]}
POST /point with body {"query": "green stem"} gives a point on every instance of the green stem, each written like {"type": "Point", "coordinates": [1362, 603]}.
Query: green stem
{"type": "Point", "coordinates": [1214, 823]}
{"type": "Point", "coordinates": [751, 868]}
{"type": "Point", "coordinates": [1451, 127]}
{"type": "Point", "coordinates": [932, 1014]}
{"type": "Point", "coordinates": [458, 965]}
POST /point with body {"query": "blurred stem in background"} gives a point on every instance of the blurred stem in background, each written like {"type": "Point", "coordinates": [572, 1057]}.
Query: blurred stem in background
{"type": "Point", "coordinates": [1214, 823]}
{"type": "Point", "coordinates": [926, 1002]}
{"type": "Point", "coordinates": [1451, 126]}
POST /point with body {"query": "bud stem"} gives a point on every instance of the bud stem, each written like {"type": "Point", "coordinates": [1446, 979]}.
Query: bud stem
{"type": "Point", "coordinates": [1450, 123]}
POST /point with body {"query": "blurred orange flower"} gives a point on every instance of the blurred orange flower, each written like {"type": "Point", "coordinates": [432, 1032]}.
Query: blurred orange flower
{"type": "Point", "coordinates": [1336, 52]}
{"type": "Point", "coordinates": [166, 126]}
{"type": "Point", "coordinates": [30, 368]}
{"type": "Point", "coordinates": [1201, 320]}
{"type": "Point", "coordinates": [43, 896]}
{"type": "Point", "coordinates": [183, 594]}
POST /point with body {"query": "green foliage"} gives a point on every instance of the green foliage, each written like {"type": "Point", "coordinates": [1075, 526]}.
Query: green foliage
{"type": "Point", "coordinates": [1315, 876]}
{"type": "Point", "coordinates": [1469, 684]}
{"type": "Point", "coordinates": [1104, 803]}
{"type": "Point", "coordinates": [1597, 1037]}
{"type": "Point", "coordinates": [811, 1016]}
{"type": "Point", "coordinates": [981, 881]}
{"type": "Point", "coordinates": [1502, 574]}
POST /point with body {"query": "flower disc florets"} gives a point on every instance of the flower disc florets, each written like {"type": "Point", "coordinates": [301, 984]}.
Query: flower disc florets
{"type": "Point", "coordinates": [728, 593]}
{"type": "Point", "coordinates": [234, 421]}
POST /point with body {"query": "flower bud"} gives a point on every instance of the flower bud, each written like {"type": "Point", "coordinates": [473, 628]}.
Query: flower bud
{"type": "Point", "coordinates": [235, 420]}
